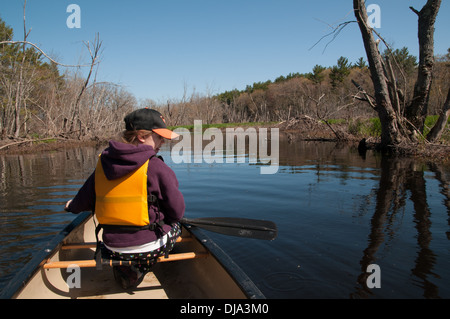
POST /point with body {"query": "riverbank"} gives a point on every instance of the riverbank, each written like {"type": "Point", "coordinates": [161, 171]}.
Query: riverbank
{"type": "Point", "coordinates": [306, 128]}
{"type": "Point", "coordinates": [296, 129]}
{"type": "Point", "coordinates": [29, 146]}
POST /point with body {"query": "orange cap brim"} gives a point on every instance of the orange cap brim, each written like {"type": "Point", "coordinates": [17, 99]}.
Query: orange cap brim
{"type": "Point", "coordinates": [166, 133]}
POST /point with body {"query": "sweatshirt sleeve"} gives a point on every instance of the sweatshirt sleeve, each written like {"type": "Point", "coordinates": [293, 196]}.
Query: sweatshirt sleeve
{"type": "Point", "coordinates": [85, 198]}
{"type": "Point", "coordinates": [171, 199]}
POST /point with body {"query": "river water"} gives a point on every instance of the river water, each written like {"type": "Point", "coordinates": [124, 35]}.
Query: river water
{"type": "Point", "coordinates": [350, 225]}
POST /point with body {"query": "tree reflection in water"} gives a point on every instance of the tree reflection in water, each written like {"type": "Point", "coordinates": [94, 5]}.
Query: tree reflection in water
{"type": "Point", "coordinates": [400, 179]}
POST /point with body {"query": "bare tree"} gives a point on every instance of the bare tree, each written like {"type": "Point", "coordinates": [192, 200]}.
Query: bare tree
{"type": "Point", "coordinates": [94, 51]}
{"type": "Point", "coordinates": [18, 83]}
{"type": "Point", "coordinates": [398, 124]}
{"type": "Point", "coordinates": [418, 108]}
{"type": "Point", "coordinates": [383, 105]}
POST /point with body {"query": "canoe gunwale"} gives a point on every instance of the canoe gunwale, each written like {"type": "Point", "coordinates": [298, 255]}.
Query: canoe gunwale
{"type": "Point", "coordinates": [20, 280]}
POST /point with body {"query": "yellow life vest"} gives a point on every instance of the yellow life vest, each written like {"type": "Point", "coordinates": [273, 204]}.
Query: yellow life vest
{"type": "Point", "coordinates": [122, 201]}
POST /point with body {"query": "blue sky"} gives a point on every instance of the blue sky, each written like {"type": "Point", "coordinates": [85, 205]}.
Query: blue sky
{"type": "Point", "coordinates": [157, 48]}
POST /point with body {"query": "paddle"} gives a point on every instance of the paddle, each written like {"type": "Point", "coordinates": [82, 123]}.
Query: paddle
{"type": "Point", "coordinates": [240, 227]}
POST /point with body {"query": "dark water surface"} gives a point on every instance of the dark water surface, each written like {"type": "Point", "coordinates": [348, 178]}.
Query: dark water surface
{"type": "Point", "coordinates": [337, 212]}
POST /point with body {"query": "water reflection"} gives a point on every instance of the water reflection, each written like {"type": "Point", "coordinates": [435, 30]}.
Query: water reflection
{"type": "Point", "coordinates": [33, 190]}
{"type": "Point", "coordinates": [400, 180]}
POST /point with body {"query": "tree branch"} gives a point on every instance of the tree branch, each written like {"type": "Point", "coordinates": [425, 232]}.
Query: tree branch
{"type": "Point", "coordinates": [414, 10]}
{"type": "Point", "coordinates": [335, 33]}
{"type": "Point", "coordinates": [40, 50]}
{"type": "Point", "coordinates": [367, 98]}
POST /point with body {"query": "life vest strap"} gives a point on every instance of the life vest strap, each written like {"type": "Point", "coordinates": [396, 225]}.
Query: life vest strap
{"type": "Point", "coordinates": [152, 227]}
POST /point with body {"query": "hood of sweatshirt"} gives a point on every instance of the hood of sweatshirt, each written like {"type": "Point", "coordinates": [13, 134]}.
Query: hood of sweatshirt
{"type": "Point", "coordinates": [120, 159]}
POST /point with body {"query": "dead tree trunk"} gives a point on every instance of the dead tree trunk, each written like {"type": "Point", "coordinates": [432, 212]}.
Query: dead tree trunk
{"type": "Point", "coordinates": [417, 111]}
{"type": "Point", "coordinates": [395, 127]}
{"type": "Point", "coordinates": [390, 134]}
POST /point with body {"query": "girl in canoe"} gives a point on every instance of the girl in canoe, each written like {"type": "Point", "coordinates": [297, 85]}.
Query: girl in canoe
{"type": "Point", "coordinates": [135, 196]}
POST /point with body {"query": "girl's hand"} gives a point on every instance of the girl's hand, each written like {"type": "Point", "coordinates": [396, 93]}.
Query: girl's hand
{"type": "Point", "coordinates": [67, 205]}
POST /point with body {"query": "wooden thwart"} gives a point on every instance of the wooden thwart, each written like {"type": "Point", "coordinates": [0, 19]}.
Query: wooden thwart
{"type": "Point", "coordinates": [109, 262]}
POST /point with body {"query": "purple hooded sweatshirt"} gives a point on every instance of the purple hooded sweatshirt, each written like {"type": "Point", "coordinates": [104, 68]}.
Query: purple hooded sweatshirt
{"type": "Point", "coordinates": [120, 159]}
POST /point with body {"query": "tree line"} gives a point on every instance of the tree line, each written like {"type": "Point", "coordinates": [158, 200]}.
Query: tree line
{"type": "Point", "coordinates": [37, 100]}
{"type": "Point", "coordinates": [327, 92]}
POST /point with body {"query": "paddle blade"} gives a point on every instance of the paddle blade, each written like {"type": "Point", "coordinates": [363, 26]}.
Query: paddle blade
{"type": "Point", "coordinates": [240, 227]}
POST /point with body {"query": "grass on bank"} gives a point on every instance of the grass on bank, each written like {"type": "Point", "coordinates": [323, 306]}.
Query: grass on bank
{"type": "Point", "coordinates": [360, 127]}
{"type": "Point", "coordinates": [222, 125]}
{"type": "Point", "coordinates": [372, 127]}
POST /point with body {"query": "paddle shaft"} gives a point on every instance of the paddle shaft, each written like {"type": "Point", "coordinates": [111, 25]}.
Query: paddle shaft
{"type": "Point", "coordinates": [233, 226]}
{"type": "Point", "coordinates": [229, 222]}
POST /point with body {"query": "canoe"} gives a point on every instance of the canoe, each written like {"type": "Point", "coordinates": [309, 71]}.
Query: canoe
{"type": "Point", "coordinates": [197, 268]}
